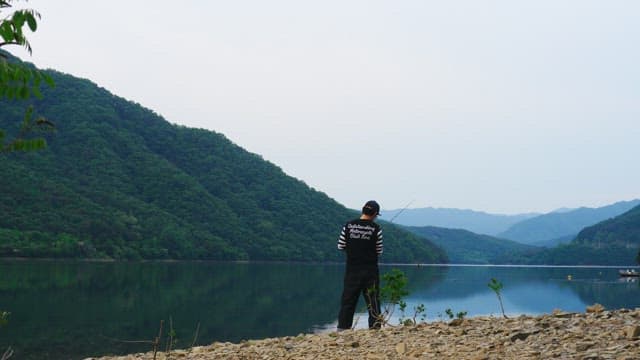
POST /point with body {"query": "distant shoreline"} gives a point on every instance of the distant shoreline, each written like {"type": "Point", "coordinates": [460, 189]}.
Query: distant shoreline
{"type": "Point", "coordinates": [98, 260]}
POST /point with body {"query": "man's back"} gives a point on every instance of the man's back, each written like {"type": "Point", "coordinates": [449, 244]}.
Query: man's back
{"type": "Point", "coordinates": [362, 240]}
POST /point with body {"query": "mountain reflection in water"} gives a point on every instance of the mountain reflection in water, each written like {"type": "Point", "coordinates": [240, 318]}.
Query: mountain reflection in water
{"type": "Point", "coordinates": [63, 310]}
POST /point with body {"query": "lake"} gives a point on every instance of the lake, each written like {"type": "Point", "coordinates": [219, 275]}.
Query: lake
{"type": "Point", "coordinates": [72, 310]}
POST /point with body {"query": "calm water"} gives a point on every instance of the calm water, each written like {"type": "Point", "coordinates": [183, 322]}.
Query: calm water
{"type": "Point", "coordinates": [63, 310]}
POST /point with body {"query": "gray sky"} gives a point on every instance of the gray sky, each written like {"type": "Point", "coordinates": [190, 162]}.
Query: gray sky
{"type": "Point", "coordinates": [501, 106]}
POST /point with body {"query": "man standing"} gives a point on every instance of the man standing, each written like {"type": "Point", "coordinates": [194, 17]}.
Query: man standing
{"type": "Point", "coordinates": [361, 239]}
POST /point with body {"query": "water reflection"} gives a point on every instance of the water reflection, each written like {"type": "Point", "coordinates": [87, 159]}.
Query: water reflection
{"type": "Point", "coordinates": [63, 310]}
{"type": "Point", "coordinates": [527, 290]}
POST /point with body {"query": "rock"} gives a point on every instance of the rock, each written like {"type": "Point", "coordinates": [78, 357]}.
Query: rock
{"type": "Point", "coordinates": [609, 334]}
{"type": "Point", "coordinates": [562, 314]}
{"type": "Point", "coordinates": [456, 322]}
{"type": "Point", "coordinates": [523, 335]}
{"type": "Point", "coordinates": [197, 349]}
{"type": "Point", "coordinates": [584, 346]}
{"type": "Point", "coordinates": [177, 353]}
{"type": "Point", "coordinates": [375, 357]}
{"type": "Point", "coordinates": [595, 308]}
{"type": "Point", "coordinates": [633, 332]}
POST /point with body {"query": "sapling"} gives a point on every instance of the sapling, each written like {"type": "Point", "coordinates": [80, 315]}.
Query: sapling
{"type": "Point", "coordinates": [496, 286]}
{"type": "Point", "coordinates": [419, 310]}
{"type": "Point", "coordinates": [449, 313]}
{"type": "Point", "coordinates": [391, 294]}
{"type": "Point", "coordinates": [459, 315]}
{"type": "Point", "coordinates": [4, 319]}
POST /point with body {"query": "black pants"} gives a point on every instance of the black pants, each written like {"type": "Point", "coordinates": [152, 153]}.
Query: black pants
{"type": "Point", "coordinates": [360, 280]}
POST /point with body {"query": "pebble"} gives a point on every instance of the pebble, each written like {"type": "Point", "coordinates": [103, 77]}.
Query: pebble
{"type": "Point", "coordinates": [595, 334]}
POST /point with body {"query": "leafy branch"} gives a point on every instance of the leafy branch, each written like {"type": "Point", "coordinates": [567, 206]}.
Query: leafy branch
{"type": "Point", "coordinates": [19, 81]}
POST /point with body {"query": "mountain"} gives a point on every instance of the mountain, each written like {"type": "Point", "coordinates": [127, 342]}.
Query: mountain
{"type": "Point", "coordinates": [119, 181]}
{"type": "Point", "coordinates": [622, 230]}
{"type": "Point", "coordinates": [545, 228]}
{"type": "Point", "coordinates": [465, 247]}
{"type": "Point", "coordinates": [615, 241]}
{"type": "Point", "coordinates": [475, 221]}
{"type": "Point", "coordinates": [555, 242]}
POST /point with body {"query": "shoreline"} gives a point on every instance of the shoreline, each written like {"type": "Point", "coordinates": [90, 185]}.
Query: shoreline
{"type": "Point", "coordinates": [595, 334]}
{"type": "Point", "coordinates": [109, 260]}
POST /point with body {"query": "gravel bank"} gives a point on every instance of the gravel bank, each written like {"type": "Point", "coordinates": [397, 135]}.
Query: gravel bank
{"type": "Point", "coordinates": [596, 334]}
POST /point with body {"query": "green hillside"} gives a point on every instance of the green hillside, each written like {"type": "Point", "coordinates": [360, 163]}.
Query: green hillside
{"type": "Point", "coordinates": [622, 230]}
{"type": "Point", "coordinates": [611, 242]}
{"type": "Point", "coordinates": [118, 181]}
{"type": "Point", "coordinates": [465, 247]}
{"type": "Point", "coordinates": [549, 227]}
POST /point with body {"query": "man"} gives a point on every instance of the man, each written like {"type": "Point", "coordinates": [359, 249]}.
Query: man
{"type": "Point", "coordinates": [361, 239]}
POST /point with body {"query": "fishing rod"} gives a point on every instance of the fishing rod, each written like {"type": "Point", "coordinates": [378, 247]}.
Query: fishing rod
{"type": "Point", "coordinates": [400, 212]}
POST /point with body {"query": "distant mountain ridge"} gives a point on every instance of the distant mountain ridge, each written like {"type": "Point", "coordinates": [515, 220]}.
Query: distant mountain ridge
{"type": "Point", "coordinates": [614, 241]}
{"type": "Point", "coordinates": [558, 225]}
{"type": "Point", "coordinates": [475, 221]}
{"type": "Point", "coordinates": [465, 247]}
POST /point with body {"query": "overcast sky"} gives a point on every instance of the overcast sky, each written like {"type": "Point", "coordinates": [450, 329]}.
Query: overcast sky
{"type": "Point", "coordinates": [500, 106]}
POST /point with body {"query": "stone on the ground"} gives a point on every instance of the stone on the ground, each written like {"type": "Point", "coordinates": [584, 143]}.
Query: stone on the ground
{"type": "Point", "coordinates": [597, 334]}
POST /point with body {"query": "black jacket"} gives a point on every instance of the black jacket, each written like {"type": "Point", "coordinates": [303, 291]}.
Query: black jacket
{"type": "Point", "coordinates": [362, 240]}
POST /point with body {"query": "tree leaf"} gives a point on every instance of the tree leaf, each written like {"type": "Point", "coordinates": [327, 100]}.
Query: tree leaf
{"type": "Point", "coordinates": [31, 21]}
{"type": "Point", "coordinates": [7, 32]}
{"type": "Point", "coordinates": [18, 19]}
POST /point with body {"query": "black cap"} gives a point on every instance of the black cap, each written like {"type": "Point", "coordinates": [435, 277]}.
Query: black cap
{"type": "Point", "coordinates": [371, 208]}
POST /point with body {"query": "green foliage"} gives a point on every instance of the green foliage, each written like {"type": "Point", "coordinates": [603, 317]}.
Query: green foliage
{"type": "Point", "coordinates": [4, 318]}
{"type": "Point", "coordinates": [449, 313]}
{"type": "Point", "coordinates": [497, 286]}
{"type": "Point", "coordinates": [392, 293]}
{"type": "Point", "coordinates": [18, 81]}
{"type": "Point", "coordinates": [622, 230]}
{"type": "Point", "coordinates": [459, 315]}
{"type": "Point", "coordinates": [118, 181]}
{"type": "Point", "coordinates": [418, 311]}
{"type": "Point", "coordinates": [395, 287]}
{"type": "Point", "coordinates": [12, 27]}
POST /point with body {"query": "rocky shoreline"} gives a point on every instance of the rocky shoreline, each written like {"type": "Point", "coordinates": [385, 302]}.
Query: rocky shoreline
{"type": "Point", "coordinates": [595, 334]}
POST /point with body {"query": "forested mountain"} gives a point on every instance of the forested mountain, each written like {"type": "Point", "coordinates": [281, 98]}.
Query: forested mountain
{"type": "Point", "coordinates": [614, 241]}
{"type": "Point", "coordinates": [119, 181]}
{"type": "Point", "coordinates": [474, 221]}
{"type": "Point", "coordinates": [465, 247]}
{"type": "Point", "coordinates": [555, 242]}
{"type": "Point", "coordinates": [555, 225]}
{"type": "Point", "coordinates": [622, 230]}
